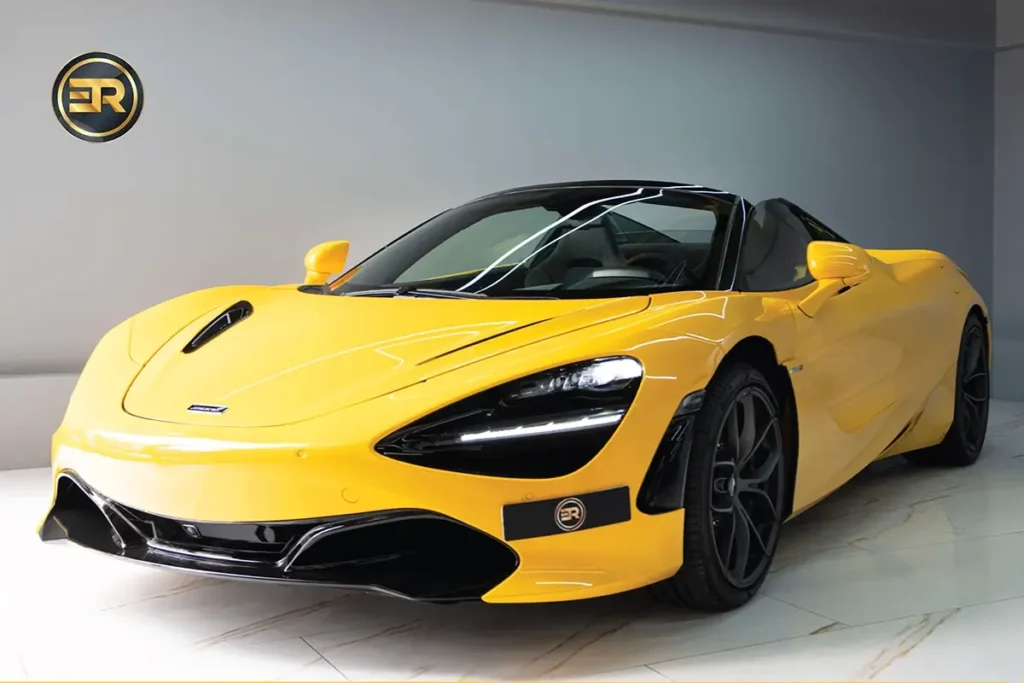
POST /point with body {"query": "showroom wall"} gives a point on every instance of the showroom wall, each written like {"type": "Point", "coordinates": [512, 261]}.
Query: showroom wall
{"type": "Point", "coordinates": [1008, 306]}
{"type": "Point", "coordinates": [951, 22]}
{"type": "Point", "coordinates": [270, 126]}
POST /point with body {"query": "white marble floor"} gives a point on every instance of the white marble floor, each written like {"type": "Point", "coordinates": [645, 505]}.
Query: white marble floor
{"type": "Point", "coordinates": [906, 574]}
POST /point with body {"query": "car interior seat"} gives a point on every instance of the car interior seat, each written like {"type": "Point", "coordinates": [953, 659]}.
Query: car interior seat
{"type": "Point", "coordinates": [574, 255]}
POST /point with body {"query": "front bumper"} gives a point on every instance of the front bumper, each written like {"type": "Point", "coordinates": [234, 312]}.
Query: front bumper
{"type": "Point", "coordinates": [413, 554]}
{"type": "Point", "coordinates": [389, 527]}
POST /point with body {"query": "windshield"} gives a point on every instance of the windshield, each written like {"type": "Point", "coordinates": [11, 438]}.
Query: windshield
{"type": "Point", "coordinates": [558, 242]}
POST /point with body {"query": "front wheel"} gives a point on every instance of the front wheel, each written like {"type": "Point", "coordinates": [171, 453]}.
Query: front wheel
{"type": "Point", "coordinates": [735, 494]}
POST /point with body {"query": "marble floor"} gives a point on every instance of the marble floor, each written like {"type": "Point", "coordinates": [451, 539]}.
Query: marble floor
{"type": "Point", "coordinates": [905, 574]}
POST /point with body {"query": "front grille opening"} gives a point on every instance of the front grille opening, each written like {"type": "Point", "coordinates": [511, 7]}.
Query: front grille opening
{"type": "Point", "coordinates": [81, 519]}
{"type": "Point", "coordinates": [424, 558]}
{"type": "Point", "coordinates": [412, 553]}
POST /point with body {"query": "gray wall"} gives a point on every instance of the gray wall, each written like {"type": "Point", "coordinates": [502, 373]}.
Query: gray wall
{"type": "Point", "coordinates": [270, 126]}
{"type": "Point", "coordinates": [969, 23]}
{"type": "Point", "coordinates": [1008, 238]}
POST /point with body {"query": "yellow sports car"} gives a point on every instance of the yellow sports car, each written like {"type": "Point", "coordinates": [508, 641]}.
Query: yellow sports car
{"type": "Point", "coordinates": [549, 393]}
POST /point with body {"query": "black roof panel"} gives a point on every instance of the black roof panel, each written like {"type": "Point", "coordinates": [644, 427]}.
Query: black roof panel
{"type": "Point", "coordinates": [607, 183]}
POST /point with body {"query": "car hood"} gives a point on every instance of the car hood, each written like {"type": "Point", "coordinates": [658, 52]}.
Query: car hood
{"type": "Point", "coordinates": [299, 356]}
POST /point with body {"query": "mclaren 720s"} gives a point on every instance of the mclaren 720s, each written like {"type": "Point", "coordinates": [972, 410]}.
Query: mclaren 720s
{"type": "Point", "coordinates": [549, 393]}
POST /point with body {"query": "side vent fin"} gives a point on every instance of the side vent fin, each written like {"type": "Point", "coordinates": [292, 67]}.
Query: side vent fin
{"type": "Point", "coordinates": [232, 316]}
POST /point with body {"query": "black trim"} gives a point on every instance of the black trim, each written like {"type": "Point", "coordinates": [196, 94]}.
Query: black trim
{"type": "Point", "coordinates": [476, 342]}
{"type": "Point", "coordinates": [408, 553]}
{"type": "Point", "coordinates": [807, 218]}
{"type": "Point", "coordinates": [664, 485]}
{"type": "Point", "coordinates": [728, 273]}
{"type": "Point", "coordinates": [903, 432]}
{"type": "Point", "coordinates": [235, 314]}
{"type": "Point", "coordinates": [655, 184]}
{"type": "Point", "coordinates": [578, 513]}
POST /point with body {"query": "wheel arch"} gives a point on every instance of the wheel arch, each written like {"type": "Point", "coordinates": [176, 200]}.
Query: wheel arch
{"type": "Point", "coordinates": [761, 353]}
{"type": "Point", "coordinates": [976, 309]}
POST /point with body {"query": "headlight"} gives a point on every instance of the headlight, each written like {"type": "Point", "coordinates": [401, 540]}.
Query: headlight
{"type": "Point", "coordinates": [545, 425]}
{"type": "Point", "coordinates": [606, 375]}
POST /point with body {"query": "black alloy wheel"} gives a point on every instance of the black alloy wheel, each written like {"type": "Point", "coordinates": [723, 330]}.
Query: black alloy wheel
{"type": "Point", "coordinates": [973, 389]}
{"type": "Point", "coordinates": [965, 439]}
{"type": "Point", "coordinates": [747, 489]}
{"type": "Point", "coordinates": [736, 493]}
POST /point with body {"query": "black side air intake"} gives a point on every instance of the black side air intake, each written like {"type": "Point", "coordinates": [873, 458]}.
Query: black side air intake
{"type": "Point", "coordinates": [665, 482]}
{"type": "Point", "coordinates": [232, 316]}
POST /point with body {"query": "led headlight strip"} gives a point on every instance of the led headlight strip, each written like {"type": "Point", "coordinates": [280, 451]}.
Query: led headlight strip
{"type": "Point", "coordinates": [544, 425]}
{"type": "Point", "coordinates": [551, 427]}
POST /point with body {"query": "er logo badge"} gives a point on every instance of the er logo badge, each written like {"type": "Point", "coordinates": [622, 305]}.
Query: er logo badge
{"type": "Point", "coordinates": [97, 97]}
{"type": "Point", "coordinates": [570, 514]}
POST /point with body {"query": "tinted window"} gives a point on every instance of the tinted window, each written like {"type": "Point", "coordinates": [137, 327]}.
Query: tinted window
{"type": "Point", "coordinates": [774, 252]}
{"type": "Point", "coordinates": [818, 230]}
{"type": "Point", "coordinates": [496, 239]}
{"type": "Point", "coordinates": [560, 242]}
{"type": "Point", "coordinates": [659, 223]}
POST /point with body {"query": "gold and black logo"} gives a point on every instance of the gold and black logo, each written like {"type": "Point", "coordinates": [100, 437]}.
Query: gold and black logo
{"type": "Point", "coordinates": [570, 514]}
{"type": "Point", "coordinates": [97, 97]}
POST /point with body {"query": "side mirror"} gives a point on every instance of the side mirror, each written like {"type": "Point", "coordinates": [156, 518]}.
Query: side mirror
{"type": "Point", "coordinates": [838, 261]}
{"type": "Point", "coordinates": [836, 266]}
{"type": "Point", "coordinates": [325, 260]}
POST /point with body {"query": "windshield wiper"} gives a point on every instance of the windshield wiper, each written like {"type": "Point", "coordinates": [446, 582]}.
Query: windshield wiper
{"type": "Point", "coordinates": [421, 292]}
{"type": "Point", "coordinates": [440, 293]}
{"type": "Point", "coordinates": [383, 291]}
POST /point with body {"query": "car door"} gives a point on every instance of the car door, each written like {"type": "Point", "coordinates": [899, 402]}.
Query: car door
{"type": "Point", "coordinates": [844, 362]}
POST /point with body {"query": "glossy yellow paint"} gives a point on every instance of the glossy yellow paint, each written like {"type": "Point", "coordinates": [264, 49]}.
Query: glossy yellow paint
{"type": "Point", "coordinates": [838, 261]}
{"type": "Point", "coordinates": [325, 260]}
{"type": "Point", "coordinates": [315, 381]}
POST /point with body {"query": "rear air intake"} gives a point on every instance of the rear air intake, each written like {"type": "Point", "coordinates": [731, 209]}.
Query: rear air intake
{"type": "Point", "coordinates": [232, 316]}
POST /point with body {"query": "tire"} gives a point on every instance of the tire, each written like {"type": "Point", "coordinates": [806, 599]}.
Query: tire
{"type": "Point", "coordinates": [965, 439]}
{"type": "Point", "coordinates": [705, 581]}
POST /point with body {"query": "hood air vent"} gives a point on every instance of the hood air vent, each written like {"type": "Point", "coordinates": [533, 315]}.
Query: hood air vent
{"type": "Point", "coordinates": [234, 315]}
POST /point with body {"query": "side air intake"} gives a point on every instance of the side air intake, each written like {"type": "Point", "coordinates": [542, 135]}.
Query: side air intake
{"type": "Point", "coordinates": [232, 316]}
